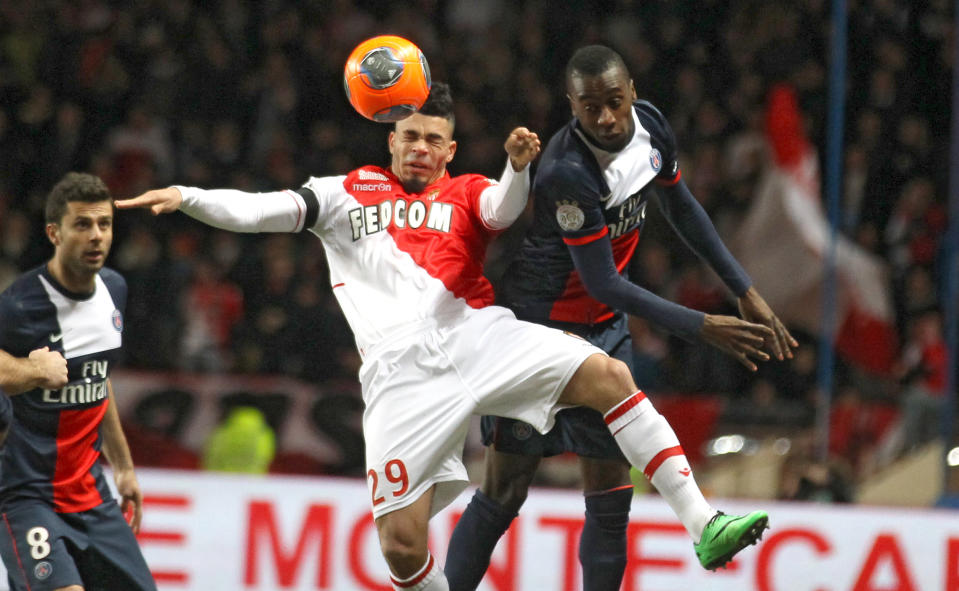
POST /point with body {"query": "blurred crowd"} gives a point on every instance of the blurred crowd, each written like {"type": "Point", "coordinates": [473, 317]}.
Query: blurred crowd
{"type": "Point", "coordinates": [249, 95]}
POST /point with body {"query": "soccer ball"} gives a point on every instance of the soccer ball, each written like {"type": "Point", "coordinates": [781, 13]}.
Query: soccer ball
{"type": "Point", "coordinates": [386, 78]}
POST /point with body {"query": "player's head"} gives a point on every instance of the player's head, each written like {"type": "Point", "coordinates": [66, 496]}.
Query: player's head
{"type": "Point", "coordinates": [601, 95]}
{"type": "Point", "coordinates": [422, 144]}
{"type": "Point", "coordinates": [79, 215]}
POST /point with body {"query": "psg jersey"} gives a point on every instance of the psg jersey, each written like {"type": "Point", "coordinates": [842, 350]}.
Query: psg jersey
{"type": "Point", "coordinates": [583, 193]}
{"type": "Point", "coordinates": [53, 446]}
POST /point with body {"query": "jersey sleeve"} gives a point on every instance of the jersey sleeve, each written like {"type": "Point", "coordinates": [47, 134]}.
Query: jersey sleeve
{"type": "Point", "coordinates": [11, 323]}
{"type": "Point", "coordinates": [117, 286]}
{"type": "Point", "coordinates": [571, 195]}
{"type": "Point", "coordinates": [319, 194]}
{"type": "Point", "coordinates": [662, 139]}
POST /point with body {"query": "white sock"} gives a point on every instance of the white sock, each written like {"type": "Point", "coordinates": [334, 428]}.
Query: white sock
{"type": "Point", "coordinates": [428, 578]}
{"type": "Point", "coordinates": [649, 443]}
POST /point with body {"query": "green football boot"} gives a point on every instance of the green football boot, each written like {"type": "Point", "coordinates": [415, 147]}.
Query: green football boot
{"type": "Point", "coordinates": [725, 535]}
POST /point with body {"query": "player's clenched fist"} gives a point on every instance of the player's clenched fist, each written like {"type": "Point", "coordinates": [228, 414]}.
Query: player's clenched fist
{"type": "Point", "coordinates": [50, 368]}
{"type": "Point", "coordinates": [522, 145]}
{"type": "Point", "coordinates": [157, 201]}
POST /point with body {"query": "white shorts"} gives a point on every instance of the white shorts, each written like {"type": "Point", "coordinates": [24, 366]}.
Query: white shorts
{"type": "Point", "coordinates": [421, 389]}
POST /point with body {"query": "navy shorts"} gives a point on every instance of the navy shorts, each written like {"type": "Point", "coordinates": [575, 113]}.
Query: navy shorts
{"type": "Point", "coordinates": [44, 550]}
{"type": "Point", "coordinates": [580, 430]}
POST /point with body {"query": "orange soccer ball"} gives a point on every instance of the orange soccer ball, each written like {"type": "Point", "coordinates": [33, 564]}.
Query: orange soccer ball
{"type": "Point", "coordinates": [386, 78]}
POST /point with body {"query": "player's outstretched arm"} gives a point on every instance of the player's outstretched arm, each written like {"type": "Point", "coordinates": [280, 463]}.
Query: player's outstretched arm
{"type": "Point", "coordinates": [117, 452]}
{"type": "Point", "coordinates": [739, 338]}
{"type": "Point", "coordinates": [43, 368]}
{"type": "Point", "coordinates": [229, 209]}
{"type": "Point", "coordinates": [523, 146]}
{"type": "Point", "coordinates": [754, 308]}
{"type": "Point", "coordinates": [157, 201]}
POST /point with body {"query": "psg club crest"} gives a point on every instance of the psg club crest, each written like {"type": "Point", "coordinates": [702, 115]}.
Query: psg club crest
{"type": "Point", "coordinates": [117, 321]}
{"type": "Point", "coordinates": [42, 570]}
{"type": "Point", "coordinates": [569, 216]}
{"type": "Point", "coordinates": [655, 159]}
{"type": "Point", "coordinates": [522, 431]}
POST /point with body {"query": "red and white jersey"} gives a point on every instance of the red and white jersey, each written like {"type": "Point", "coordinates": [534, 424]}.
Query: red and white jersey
{"type": "Point", "coordinates": [398, 259]}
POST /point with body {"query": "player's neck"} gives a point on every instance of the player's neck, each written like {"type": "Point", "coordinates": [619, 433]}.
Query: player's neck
{"type": "Point", "coordinates": [83, 283]}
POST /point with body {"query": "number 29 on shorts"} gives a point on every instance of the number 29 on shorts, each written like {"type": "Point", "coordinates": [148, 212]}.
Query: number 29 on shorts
{"type": "Point", "coordinates": [397, 481]}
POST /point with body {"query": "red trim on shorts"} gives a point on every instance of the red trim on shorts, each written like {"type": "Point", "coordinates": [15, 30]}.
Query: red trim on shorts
{"type": "Point", "coordinates": [661, 457]}
{"type": "Point", "coordinates": [416, 580]}
{"type": "Point", "coordinates": [587, 239]}
{"type": "Point", "coordinates": [16, 551]}
{"type": "Point", "coordinates": [621, 408]}
{"type": "Point", "coordinates": [665, 183]}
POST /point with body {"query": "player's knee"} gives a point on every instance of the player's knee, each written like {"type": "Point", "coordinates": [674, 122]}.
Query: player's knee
{"type": "Point", "coordinates": [611, 382]}
{"type": "Point", "coordinates": [403, 546]}
{"type": "Point", "coordinates": [70, 588]}
{"type": "Point", "coordinates": [511, 493]}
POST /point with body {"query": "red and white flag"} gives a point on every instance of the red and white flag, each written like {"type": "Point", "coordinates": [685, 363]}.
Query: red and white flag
{"type": "Point", "coordinates": [785, 238]}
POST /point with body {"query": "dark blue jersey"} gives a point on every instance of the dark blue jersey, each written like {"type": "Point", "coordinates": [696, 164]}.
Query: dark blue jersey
{"type": "Point", "coordinates": [582, 193]}
{"type": "Point", "coordinates": [52, 450]}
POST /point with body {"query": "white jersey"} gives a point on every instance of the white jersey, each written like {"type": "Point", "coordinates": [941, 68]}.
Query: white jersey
{"type": "Point", "coordinates": [398, 261]}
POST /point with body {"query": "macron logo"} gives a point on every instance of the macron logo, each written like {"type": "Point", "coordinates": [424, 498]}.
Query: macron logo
{"type": "Point", "coordinates": [368, 175]}
{"type": "Point", "coordinates": [685, 471]}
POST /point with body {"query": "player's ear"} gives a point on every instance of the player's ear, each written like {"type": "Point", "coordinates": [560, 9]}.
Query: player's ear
{"type": "Point", "coordinates": [390, 140]}
{"type": "Point", "coordinates": [572, 107]}
{"type": "Point", "coordinates": [632, 91]}
{"type": "Point", "coordinates": [452, 150]}
{"type": "Point", "coordinates": [53, 234]}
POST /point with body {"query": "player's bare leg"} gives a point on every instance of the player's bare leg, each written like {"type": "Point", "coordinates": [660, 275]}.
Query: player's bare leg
{"type": "Point", "coordinates": [649, 443]}
{"type": "Point", "coordinates": [70, 588]}
{"type": "Point", "coordinates": [404, 535]}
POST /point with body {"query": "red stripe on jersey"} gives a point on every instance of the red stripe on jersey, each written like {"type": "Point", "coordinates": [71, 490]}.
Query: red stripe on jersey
{"type": "Point", "coordinates": [455, 255]}
{"type": "Point", "coordinates": [74, 488]}
{"type": "Point", "coordinates": [575, 304]}
{"type": "Point", "coordinates": [587, 239]}
{"type": "Point", "coordinates": [661, 457]}
{"type": "Point", "coordinates": [621, 408]}
{"type": "Point", "coordinates": [670, 182]}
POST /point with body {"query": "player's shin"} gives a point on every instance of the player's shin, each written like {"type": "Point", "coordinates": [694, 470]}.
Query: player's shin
{"type": "Point", "coordinates": [428, 578]}
{"type": "Point", "coordinates": [602, 545]}
{"type": "Point", "coordinates": [482, 524]}
{"type": "Point", "coordinates": [649, 443]}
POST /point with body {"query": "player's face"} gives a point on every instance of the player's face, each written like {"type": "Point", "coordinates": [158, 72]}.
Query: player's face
{"type": "Point", "coordinates": [604, 106]}
{"type": "Point", "coordinates": [421, 146]}
{"type": "Point", "coordinates": [82, 239]}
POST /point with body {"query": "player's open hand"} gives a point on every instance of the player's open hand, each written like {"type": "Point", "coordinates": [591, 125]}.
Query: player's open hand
{"type": "Point", "coordinates": [743, 340]}
{"type": "Point", "coordinates": [50, 367]}
{"type": "Point", "coordinates": [157, 201]}
{"type": "Point", "coordinates": [131, 499]}
{"type": "Point", "coordinates": [755, 309]}
{"type": "Point", "coordinates": [523, 146]}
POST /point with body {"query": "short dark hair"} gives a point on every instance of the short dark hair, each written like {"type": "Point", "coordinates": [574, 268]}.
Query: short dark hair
{"type": "Point", "coordinates": [439, 103]}
{"type": "Point", "coordinates": [75, 186]}
{"type": "Point", "coordinates": [593, 60]}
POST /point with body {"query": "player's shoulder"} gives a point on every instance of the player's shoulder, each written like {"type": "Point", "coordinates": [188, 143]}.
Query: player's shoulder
{"type": "Point", "coordinates": [25, 285]}
{"type": "Point", "coordinates": [370, 173]}
{"type": "Point", "coordinates": [566, 160]}
{"type": "Point", "coordinates": [651, 118]}
{"type": "Point", "coordinates": [113, 279]}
